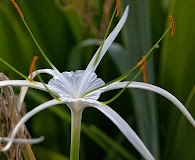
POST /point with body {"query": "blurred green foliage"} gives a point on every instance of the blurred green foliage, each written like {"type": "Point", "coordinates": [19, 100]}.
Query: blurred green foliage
{"type": "Point", "coordinates": [67, 32]}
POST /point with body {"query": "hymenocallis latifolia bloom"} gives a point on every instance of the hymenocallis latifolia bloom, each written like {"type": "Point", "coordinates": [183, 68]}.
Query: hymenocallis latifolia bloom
{"type": "Point", "coordinates": [81, 89]}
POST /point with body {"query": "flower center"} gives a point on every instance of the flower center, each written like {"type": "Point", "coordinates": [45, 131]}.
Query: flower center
{"type": "Point", "coordinates": [75, 85]}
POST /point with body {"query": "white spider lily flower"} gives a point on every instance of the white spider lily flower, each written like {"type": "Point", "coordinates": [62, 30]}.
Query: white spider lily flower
{"type": "Point", "coordinates": [73, 89]}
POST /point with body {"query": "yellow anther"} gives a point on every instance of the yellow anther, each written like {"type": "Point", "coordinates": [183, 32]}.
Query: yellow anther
{"type": "Point", "coordinates": [118, 8]}
{"type": "Point", "coordinates": [172, 25]}
{"type": "Point", "coordinates": [18, 9]}
{"type": "Point", "coordinates": [142, 65]}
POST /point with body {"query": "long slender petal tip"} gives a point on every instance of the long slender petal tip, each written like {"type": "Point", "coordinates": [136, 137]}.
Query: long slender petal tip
{"type": "Point", "coordinates": [123, 127]}
{"type": "Point", "coordinates": [158, 90]}
{"type": "Point", "coordinates": [108, 42]}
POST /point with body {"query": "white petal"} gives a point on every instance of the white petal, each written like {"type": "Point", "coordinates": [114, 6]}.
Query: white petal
{"type": "Point", "coordinates": [25, 83]}
{"type": "Point", "coordinates": [24, 89]}
{"type": "Point", "coordinates": [40, 71]}
{"type": "Point", "coordinates": [123, 127]}
{"type": "Point", "coordinates": [23, 141]}
{"type": "Point", "coordinates": [27, 117]}
{"type": "Point", "coordinates": [91, 67]}
{"type": "Point", "coordinates": [21, 83]}
{"type": "Point", "coordinates": [94, 61]}
{"type": "Point", "coordinates": [155, 89]}
{"type": "Point", "coordinates": [73, 88]}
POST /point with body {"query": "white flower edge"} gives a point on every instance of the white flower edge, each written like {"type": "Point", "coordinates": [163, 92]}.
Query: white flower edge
{"type": "Point", "coordinates": [153, 88]}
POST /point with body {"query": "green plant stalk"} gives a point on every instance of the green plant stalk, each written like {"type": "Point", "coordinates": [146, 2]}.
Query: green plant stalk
{"type": "Point", "coordinates": [76, 116]}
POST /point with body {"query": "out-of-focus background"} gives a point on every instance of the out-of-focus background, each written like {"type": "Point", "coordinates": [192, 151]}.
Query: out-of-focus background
{"type": "Point", "coordinates": [67, 31]}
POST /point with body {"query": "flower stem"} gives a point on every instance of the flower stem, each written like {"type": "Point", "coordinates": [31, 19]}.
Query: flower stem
{"type": "Point", "coordinates": [76, 116]}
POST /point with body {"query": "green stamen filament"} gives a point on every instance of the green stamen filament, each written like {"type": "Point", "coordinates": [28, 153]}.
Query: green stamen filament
{"type": "Point", "coordinates": [122, 90]}
{"type": "Point", "coordinates": [147, 56]}
{"type": "Point", "coordinates": [15, 70]}
{"type": "Point", "coordinates": [38, 46]}
{"type": "Point", "coordinates": [106, 34]}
